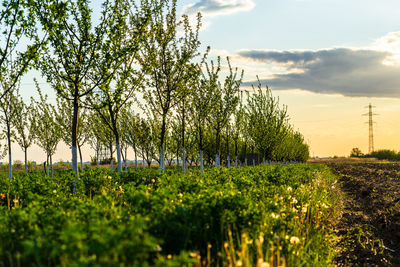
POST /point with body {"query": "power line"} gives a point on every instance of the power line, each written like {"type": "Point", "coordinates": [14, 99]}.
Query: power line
{"type": "Point", "coordinates": [370, 122]}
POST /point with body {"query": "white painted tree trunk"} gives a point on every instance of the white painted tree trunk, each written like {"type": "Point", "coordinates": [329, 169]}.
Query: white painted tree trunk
{"type": "Point", "coordinates": [143, 164]}
{"type": "Point", "coordinates": [97, 157]}
{"type": "Point", "coordinates": [216, 160]}
{"type": "Point", "coordinates": [236, 161]}
{"type": "Point", "coordinates": [229, 162]}
{"type": "Point", "coordinates": [75, 162]}
{"type": "Point", "coordinates": [48, 166]}
{"type": "Point", "coordinates": [26, 162]}
{"type": "Point", "coordinates": [263, 161]}
{"type": "Point", "coordinates": [201, 161]}
{"type": "Point", "coordinates": [254, 162]}
{"type": "Point", "coordinates": [245, 161]}
{"type": "Point", "coordinates": [119, 158]}
{"type": "Point", "coordinates": [112, 165]}
{"type": "Point", "coordinates": [162, 167]}
{"type": "Point", "coordinates": [51, 164]}
{"type": "Point", "coordinates": [183, 160]}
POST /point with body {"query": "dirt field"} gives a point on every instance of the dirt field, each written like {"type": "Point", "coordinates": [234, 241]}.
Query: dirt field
{"type": "Point", "coordinates": [369, 228]}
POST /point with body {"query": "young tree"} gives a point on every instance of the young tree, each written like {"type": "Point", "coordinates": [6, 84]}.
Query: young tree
{"type": "Point", "coordinates": [74, 61]}
{"type": "Point", "coordinates": [65, 111]}
{"type": "Point", "coordinates": [267, 121]}
{"type": "Point", "coordinates": [238, 126]}
{"type": "Point", "coordinates": [165, 58]}
{"type": "Point", "coordinates": [22, 122]}
{"type": "Point", "coordinates": [130, 123]}
{"type": "Point", "coordinates": [224, 103]}
{"type": "Point", "coordinates": [47, 133]}
{"type": "Point", "coordinates": [117, 91]}
{"type": "Point", "coordinates": [95, 135]}
{"type": "Point", "coordinates": [8, 110]}
{"type": "Point", "coordinates": [202, 98]}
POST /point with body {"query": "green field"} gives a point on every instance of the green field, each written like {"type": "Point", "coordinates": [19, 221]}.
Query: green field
{"type": "Point", "coordinates": [265, 216]}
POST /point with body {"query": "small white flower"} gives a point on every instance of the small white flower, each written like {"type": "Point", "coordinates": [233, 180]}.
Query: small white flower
{"type": "Point", "coordinates": [294, 240]}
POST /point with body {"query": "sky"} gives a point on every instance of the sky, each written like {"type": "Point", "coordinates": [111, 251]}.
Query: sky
{"type": "Point", "coordinates": [325, 59]}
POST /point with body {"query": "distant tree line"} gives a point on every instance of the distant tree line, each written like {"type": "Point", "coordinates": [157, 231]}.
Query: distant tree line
{"type": "Point", "coordinates": [383, 154]}
{"type": "Point", "coordinates": [132, 76]}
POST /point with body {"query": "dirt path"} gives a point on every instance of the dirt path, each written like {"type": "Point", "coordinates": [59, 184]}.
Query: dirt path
{"type": "Point", "coordinates": [369, 228]}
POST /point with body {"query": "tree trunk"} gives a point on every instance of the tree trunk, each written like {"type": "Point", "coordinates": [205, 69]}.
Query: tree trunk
{"type": "Point", "coordinates": [227, 145]}
{"type": "Point", "coordinates": [201, 161]}
{"type": "Point", "coordinates": [162, 157]}
{"type": "Point", "coordinates": [126, 158]}
{"type": "Point", "coordinates": [236, 161]}
{"type": "Point", "coordinates": [134, 148]}
{"type": "Point", "coordinates": [48, 165]}
{"type": "Point", "coordinates": [97, 157]}
{"type": "Point", "coordinates": [80, 156]}
{"type": "Point", "coordinates": [118, 151]}
{"type": "Point", "coordinates": [183, 160]}
{"type": "Point", "coordinates": [177, 159]}
{"type": "Point", "coordinates": [245, 152]}
{"type": "Point", "coordinates": [162, 137]}
{"type": "Point", "coordinates": [111, 157]}
{"type": "Point", "coordinates": [51, 164]}
{"type": "Point", "coordinates": [217, 144]}
{"type": "Point", "coordinates": [26, 160]}
{"type": "Point", "coordinates": [9, 152]}
{"type": "Point", "coordinates": [74, 136]}
{"type": "Point", "coordinates": [183, 139]}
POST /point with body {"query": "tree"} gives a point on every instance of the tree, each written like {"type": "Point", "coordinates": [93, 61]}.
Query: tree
{"type": "Point", "coordinates": [165, 59]}
{"type": "Point", "coordinates": [8, 110]}
{"type": "Point", "coordinates": [64, 115]}
{"type": "Point", "coordinates": [200, 107]}
{"type": "Point", "coordinates": [47, 133]}
{"type": "Point", "coordinates": [74, 61]}
{"type": "Point", "coordinates": [224, 103]}
{"type": "Point", "coordinates": [117, 91]}
{"type": "Point", "coordinates": [356, 152]}
{"type": "Point", "coordinates": [95, 135]}
{"type": "Point", "coordinates": [146, 141]}
{"type": "Point", "coordinates": [130, 123]}
{"type": "Point", "coordinates": [267, 121]}
{"type": "Point", "coordinates": [22, 122]}
{"type": "Point", "coordinates": [238, 126]}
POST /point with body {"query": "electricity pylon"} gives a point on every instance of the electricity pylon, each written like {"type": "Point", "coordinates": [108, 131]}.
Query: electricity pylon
{"type": "Point", "coordinates": [370, 122]}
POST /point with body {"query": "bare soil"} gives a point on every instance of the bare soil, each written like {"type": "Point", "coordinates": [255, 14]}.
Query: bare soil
{"type": "Point", "coordinates": [369, 227]}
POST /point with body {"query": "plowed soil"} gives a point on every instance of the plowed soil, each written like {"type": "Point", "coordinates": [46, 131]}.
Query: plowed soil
{"type": "Point", "coordinates": [369, 228]}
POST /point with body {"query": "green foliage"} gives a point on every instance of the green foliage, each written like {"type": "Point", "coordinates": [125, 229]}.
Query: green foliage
{"type": "Point", "coordinates": [356, 152]}
{"type": "Point", "coordinates": [385, 154]}
{"type": "Point", "coordinates": [269, 130]}
{"type": "Point", "coordinates": [142, 217]}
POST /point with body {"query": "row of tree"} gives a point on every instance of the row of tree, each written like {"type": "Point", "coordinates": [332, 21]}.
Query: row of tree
{"type": "Point", "coordinates": [135, 57]}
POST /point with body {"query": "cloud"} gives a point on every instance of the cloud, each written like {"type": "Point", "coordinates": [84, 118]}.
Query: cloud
{"type": "Point", "coordinates": [212, 8]}
{"type": "Point", "coordinates": [362, 72]}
